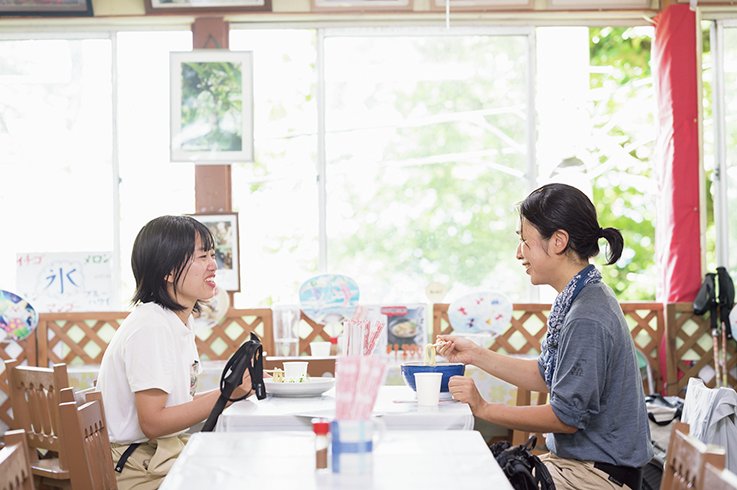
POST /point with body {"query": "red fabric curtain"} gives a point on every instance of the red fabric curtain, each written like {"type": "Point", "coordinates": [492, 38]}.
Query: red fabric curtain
{"type": "Point", "coordinates": [677, 230]}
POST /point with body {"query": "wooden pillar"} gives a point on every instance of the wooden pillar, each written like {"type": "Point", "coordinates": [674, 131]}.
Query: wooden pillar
{"type": "Point", "coordinates": [212, 187]}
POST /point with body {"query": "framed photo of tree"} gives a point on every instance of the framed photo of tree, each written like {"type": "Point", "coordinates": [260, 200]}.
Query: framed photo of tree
{"type": "Point", "coordinates": [46, 8]}
{"type": "Point", "coordinates": [211, 106]}
{"type": "Point", "coordinates": [199, 7]}
{"type": "Point", "coordinates": [224, 228]}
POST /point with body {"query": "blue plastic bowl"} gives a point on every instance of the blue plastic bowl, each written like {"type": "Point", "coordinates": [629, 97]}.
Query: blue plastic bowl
{"type": "Point", "coordinates": [448, 369]}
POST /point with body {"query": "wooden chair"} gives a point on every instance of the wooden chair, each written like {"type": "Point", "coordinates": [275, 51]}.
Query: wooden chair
{"type": "Point", "coordinates": [87, 444]}
{"type": "Point", "coordinates": [686, 459]}
{"type": "Point", "coordinates": [520, 436]}
{"type": "Point", "coordinates": [15, 462]}
{"type": "Point", "coordinates": [715, 479]}
{"type": "Point", "coordinates": [34, 397]}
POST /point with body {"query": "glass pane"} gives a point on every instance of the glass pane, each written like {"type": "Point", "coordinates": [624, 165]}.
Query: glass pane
{"type": "Point", "coordinates": [150, 185]}
{"type": "Point", "coordinates": [620, 149]}
{"type": "Point", "coordinates": [276, 197]}
{"type": "Point", "coordinates": [426, 156]}
{"type": "Point", "coordinates": [730, 114]}
{"type": "Point", "coordinates": [55, 148]}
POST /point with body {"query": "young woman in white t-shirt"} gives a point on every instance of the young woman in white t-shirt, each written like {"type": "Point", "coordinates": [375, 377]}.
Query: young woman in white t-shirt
{"type": "Point", "coordinates": [149, 371]}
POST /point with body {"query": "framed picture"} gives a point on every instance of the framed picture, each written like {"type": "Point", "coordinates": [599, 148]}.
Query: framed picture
{"type": "Point", "coordinates": [224, 227]}
{"type": "Point", "coordinates": [481, 5]}
{"type": "Point", "coordinates": [360, 5]}
{"type": "Point", "coordinates": [206, 6]}
{"type": "Point", "coordinates": [597, 4]}
{"type": "Point", "coordinates": [77, 8]}
{"type": "Point", "coordinates": [211, 106]}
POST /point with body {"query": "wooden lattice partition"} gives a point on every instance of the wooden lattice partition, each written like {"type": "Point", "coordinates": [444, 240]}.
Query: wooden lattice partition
{"type": "Point", "coordinates": [689, 348]}
{"type": "Point", "coordinates": [316, 330]}
{"type": "Point", "coordinates": [22, 351]}
{"type": "Point", "coordinates": [528, 326]}
{"type": "Point", "coordinates": [221, 341]}
{"type": "Point", "coordinates": [82, 338]}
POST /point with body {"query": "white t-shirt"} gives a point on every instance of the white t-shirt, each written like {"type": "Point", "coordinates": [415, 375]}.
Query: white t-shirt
{"type": "Point", "coordinates": [151, 349]}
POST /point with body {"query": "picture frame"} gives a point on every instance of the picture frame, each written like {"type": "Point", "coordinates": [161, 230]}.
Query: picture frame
{"type": "Point", "coordinates": [199, 7]}
{"type": "Point", "coordinates": [481, 5]}
{"type": "Point", "coordinates": [598, 5]}
{"type": "Point", "coordinates": [360, 5]}
{"type": "Point", "coordinates": [224, 228]}
{"type": "Point", "coordinates": [211, 126]}
{"type": "Point", "coordinates": [46, 8]}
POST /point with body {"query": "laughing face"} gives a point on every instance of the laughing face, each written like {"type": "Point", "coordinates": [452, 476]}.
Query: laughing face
{"type": "Point", "coordinates": [198, 280]}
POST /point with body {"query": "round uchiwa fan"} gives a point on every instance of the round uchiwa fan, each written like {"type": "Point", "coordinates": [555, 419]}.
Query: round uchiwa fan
{"type": "Point", "coordinates": [329, 298]}
{"type": "Point", "coordinates": [485, 311]}
{"type": "Point", "coordinates": [212, 310]}
{"type": "Point", "coordinates": [18, 319]}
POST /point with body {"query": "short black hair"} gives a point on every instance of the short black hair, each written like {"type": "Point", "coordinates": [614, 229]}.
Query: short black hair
{"type": "Point", "coordinates": [165, 245]}
{"type": "Point", "coordinates": [554, 207]}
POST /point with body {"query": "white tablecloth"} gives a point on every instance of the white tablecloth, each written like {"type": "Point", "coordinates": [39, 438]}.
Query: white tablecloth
{"type": "Point", "coordinates": [396, 406]}
{"type": "Point", "coordinates": [428, 460]}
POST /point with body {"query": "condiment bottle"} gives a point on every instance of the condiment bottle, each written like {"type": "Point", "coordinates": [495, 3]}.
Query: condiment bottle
{"type": "Point", "coordinates": [333, 346]}
{"type": "Point", "coordinates": [321, 427]}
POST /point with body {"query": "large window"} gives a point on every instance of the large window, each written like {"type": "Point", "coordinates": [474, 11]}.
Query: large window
{"type": "Point", "coordinates": [395, 156]}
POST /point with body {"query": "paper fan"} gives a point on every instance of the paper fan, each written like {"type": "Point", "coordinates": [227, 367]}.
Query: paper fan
{"type": "Point", "coordinates": [485, 311]}
{"type": "Point", "coordinates": [328, 298]}
{"type": "Point", "coordinates": [18, 319]}
{"type": "Point", "coordinates": [212, 310]}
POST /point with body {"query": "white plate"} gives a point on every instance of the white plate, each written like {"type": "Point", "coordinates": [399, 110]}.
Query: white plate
{"type": "Point", "coordinates": [313, 387]}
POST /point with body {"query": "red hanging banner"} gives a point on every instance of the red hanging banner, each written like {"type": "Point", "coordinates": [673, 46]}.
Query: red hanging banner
{"type": "Point", "coordinates": [677, 230]}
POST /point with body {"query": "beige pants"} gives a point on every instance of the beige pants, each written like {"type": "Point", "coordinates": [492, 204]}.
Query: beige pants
{"type": "Point", "coordinates": [149, 463]}
{"type": "Point", "coordinates": [571, 474]}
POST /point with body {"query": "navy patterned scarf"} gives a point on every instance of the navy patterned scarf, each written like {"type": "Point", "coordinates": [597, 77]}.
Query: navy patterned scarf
{"type": "Point", "coordinates": [558, 313]}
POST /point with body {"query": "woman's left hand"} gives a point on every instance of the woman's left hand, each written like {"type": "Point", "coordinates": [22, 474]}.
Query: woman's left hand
{"type": "Point", "coordinates": [464, 390]}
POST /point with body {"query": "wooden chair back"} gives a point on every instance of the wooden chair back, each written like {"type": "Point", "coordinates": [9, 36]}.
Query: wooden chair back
{"type": "Point", "coordinates": [686, 459]}
{"type": "Point", "coordinates": [520, 436]}
{"type": "Point", "coordinates": [15, 462]}
{"type": "Point", "coordinates": [716, 479]}
{"type": "Point", "coordinates": [87, 442]}
{"type": "Point", "coordinates": [34, 396]}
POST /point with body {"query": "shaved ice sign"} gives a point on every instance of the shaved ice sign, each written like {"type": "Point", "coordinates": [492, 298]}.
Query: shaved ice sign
{"type": "Point", "coordinates": [64, 282]}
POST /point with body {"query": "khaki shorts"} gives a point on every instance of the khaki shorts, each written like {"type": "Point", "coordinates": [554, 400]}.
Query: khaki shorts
{"type": "Point", "coordinates": [149, 463]}
{"type": "Point", "coordinates": [571, 474]}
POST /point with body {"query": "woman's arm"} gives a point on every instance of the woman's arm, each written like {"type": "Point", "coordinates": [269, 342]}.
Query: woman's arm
{"type": "Point", "coordinates": [532, 418]}
{"type": "Point", "coordinates": [523, 373]}
{"type": "Point", "coordinates": [157, 420]}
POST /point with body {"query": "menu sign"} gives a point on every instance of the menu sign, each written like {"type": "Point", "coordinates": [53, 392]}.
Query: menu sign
{"type": "Point", "coordinates": [406, 332]}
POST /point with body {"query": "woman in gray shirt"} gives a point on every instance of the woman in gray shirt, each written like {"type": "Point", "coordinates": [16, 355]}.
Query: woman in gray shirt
{"type": "Point", "coordinates": [596, 421]}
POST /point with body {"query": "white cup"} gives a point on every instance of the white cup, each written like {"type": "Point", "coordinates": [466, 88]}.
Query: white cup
{"type": "Point", "coordinates": [428, 388]}
{"type": "Point", "coordinates": [320, 349]}
{"type": "Point", "coordinates": [295, 370]}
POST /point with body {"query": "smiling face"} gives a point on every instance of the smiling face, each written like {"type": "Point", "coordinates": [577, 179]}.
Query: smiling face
{"type": "Point", "coordinates": [532, 251]}
{"type": "Point", "coordinates": [197, 281]}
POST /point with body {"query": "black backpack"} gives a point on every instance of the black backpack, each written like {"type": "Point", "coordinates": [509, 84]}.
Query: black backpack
{"type": "Point", "coordinates": [523, 469]}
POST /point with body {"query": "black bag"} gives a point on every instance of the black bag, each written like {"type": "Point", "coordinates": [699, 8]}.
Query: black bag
{"type": "Point", "coordinates": [706, 298]}
{"type": "Point", "coordinates": [726, 299]}
{"type": "Point", "coordinates": [523, 469]}
{"type": "Point", "coordinates": [248, 356]}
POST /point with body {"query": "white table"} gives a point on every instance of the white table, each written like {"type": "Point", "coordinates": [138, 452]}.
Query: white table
{"type": "Point", "coordinates": [396, 406]}
{"type": "Point", "coordinates": [286, 460]}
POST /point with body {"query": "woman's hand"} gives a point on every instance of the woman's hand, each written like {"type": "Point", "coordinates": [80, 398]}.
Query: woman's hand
{"type": "Point", "coordinates": [457, 349]}
{"type": "Point", "coordinates": [246, 387]}
{"type": "Point", "coordinates": [464, 390]}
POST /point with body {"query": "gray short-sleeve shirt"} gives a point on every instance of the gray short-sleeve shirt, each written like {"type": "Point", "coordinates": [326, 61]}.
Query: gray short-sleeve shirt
{"type": "Point", "coordinates": [597, 385]}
